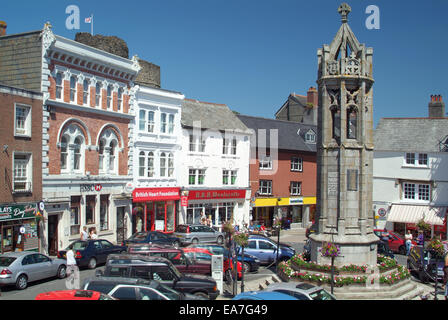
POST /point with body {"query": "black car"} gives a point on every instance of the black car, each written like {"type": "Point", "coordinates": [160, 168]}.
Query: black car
{"type": "Point", "coordinates": [426, 263]}
{"type": "Point", "coordinates": [135, 289]}
{"type": "Point", "coordinates": [162, 270]}
{"type": "Point", "coordinates": [151, 237]}
{"type": "Point", "coordinates": [90, 253]}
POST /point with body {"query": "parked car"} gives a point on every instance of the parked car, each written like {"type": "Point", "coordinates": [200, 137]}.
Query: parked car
{"type": "Point", "coordinates": [263, 295]}
{"type": "Point", "coordinates": [73, 295]}
{"type": "Point", "coordinates": [90, 253]}
{"type": "Point", "coordinates": [301, 291]}
{"type": "Point", "coordinates": [201, 254]}
{"type": "Point", "coordinates": [265, 250]}
{"type": "Point", "coordinates": [250, 263]}
{"type": "Point", "coordinates": [135, 289]}
{"type": "Point", "coordinates": [162, 270]}
{"type": "Point", "coordinates": [152, 237]}
{"type": "Point", "coordinates": [397, 243]}
{"type": "Point", "coordinates": [20, 268]}
{"type": "Point", "coordinates": [177, 256]}
{"type": "Point", "coordinates": [427, 263]}
{"type": "Point", "coordinates": [198, 233]}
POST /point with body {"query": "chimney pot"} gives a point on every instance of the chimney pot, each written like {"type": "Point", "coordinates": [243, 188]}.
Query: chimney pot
{"type": "Point", "coordinates": [3, 26]}
{"type": "Point", "coordinates": [312, 97]}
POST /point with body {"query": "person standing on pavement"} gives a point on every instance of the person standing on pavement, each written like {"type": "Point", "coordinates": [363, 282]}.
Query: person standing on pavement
{"type": "Point", "coordinates": [72, 281]}
{"type": "Point", "coordinates": [84, 234]}
{"type": "Point", "coordinates": [408, 238]}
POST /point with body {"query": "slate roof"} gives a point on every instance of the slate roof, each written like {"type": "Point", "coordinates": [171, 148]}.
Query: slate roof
{"type": "Point", "coordinates": [411, 134]}
{"type": "Point", "coordinates": [289, 136]}
{"type": "Point", "coordinates": [299, 99]}
{"type": "Point", "coordinates": [211, 115]}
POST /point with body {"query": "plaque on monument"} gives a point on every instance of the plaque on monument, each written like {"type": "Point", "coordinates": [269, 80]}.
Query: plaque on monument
{"type": "Point", "coordinates": [333, 184]}
{"type": "Point", "coordinates": [352, 180]}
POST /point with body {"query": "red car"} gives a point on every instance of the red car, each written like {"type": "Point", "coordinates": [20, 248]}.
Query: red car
{"type": "Point", "coordinates": [73, 295]}
{"type": "Point", "coordinates": [397, 242]}
{"type": "Point", "coordinates": [204, 254]}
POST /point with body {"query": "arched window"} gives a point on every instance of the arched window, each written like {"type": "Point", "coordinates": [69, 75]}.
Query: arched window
{"type": "Point", "coordinates": [107, 149]}
{"type": "Point", "coordinates": [112, 156]}
{"type": "Point", "coordinates": [163, 164]}
{"type": "Point", "coordinates": [77, 154]}
{"type": "Point", "coordinates": [336, 124]}
{"type": "Point", "coordinates": [352, 123]}
{"type": "Point", "coordinates": [141, 164]}
{"type": "Point", "coordinates": [101, 156]}
{"type": "Point", "coordinates": [150, 164]}
{"type": "Point", "coordinates": [64, 153]}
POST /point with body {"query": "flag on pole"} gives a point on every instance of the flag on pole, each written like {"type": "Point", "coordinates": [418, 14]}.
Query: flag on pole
{"type": "Point", "coordinates": [88, 20]}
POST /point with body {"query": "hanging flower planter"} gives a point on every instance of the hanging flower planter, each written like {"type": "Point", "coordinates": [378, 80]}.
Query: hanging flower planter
{"type": "Point", "coordinates": [437, 246]}
{"type": "Point", "coordinates": [423, 226]}
{"type": "Point", "coordinates": [330, 250]}
{"type": "Point", "coordinates": [39, 217]}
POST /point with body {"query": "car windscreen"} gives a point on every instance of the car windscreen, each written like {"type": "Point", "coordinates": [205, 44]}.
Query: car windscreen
{"type": "Point", "coordinates": [168, 292]}
{"type": "Point", "coordinates": [6, 261]}
{"type": "Point", "coordinates": [321, 295]}
{"type": "Point", "coordinates": [102, 287]}
{"type": "Point", "coordinates": [139, 236]}
{"type": "Point", "coordinates": [182, 229]}
{"type": "Point", "coordinates": [78, 245]}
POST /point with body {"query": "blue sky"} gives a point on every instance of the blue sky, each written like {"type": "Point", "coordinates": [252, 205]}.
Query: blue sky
{"type": "Point", "coordinates": [251, 54]}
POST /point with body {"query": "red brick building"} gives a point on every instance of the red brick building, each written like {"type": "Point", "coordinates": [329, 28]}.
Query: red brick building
{"type": "Point", "coordinates": [20, 168]}
{"type": "Point", "coordinates": [282, 171]}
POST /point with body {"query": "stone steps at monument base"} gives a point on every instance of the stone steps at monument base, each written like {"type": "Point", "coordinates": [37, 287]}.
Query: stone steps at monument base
{"type": "Point", "coordinates": [406, 290]}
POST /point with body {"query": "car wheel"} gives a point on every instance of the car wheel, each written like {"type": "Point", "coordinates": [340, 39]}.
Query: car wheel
{"type": "Point", "coordinates": [22, 282]}
{"type": "Point", "coordinates": [402, 250]}
{"type": "Point", "coordinates": [246, 267]}
{"type": "Point", "coordinates": [176, 244]}
{"type": "Point", "coordinates": [201, 294]}
{"type": "Point", "coordinates": [92, 263]}
{"type": "Point", "coordinates": [220, 240]}
{"type": "Point", "coordinates": [195, 241]}
{"type": "Point", "coordinates": [62, 272]}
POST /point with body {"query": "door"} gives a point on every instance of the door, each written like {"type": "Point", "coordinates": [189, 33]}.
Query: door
{"type": "Point", "coordinates": [107, 248]}
{"type": "Point", "coordinates": [207, 234]}
{"type": "Point", "coordinates": [44, 266]}
{"type": "Point", "coordinates": [267, 251]}
{"type": "Point", "coordinates": [53, 221]}
{"type": "Point", "coordinates": [7, 239]}
{"type": "Point", "coordinates": [121, 225]}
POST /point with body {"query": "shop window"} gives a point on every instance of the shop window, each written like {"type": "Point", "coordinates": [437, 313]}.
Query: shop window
{"type": "Point", "coordinates": [90, 209]}
{"type": "Point", "coordinates": [74, 216]}
{"type": "Point", "coordinates": [22, 120]}
{"type": "Point", "coordinates": [170, 209]}
{"type": "Point", "coordinates": [22, 173]}
{"type": "Point", "coordinates": [104, 213]}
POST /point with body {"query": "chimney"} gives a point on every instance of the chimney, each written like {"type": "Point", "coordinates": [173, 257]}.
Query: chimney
{"type": "Point", "coordinates": [312, 97]}
{"type": "Point", "coordinates": [3, 26]}
{"type": "Point", "coordinates": [436, 107]}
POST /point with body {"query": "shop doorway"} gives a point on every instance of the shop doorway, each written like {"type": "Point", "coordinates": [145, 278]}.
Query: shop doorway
{"type": "Point", "coordinates": [53, 222]}
{"type": "Point", "coordinates": [121, 225]}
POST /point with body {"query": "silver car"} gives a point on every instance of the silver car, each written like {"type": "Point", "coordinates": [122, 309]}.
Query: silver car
{"type": "Point", "coordinates": [198, 233]}
{"type": "Point", "coordinates": [301, 290]}
{"type": "Point", "coordinates": [20, 268]}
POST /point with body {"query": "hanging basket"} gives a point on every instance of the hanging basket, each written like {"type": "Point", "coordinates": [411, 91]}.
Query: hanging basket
{"type": "Point", "coordinates": [423, 226]}
{"type": "Point", "coordinates": [39, 217]}
{"type": "Point", "coordinates": [330, 250]}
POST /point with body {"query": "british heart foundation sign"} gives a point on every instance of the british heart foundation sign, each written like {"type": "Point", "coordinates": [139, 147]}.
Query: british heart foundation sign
{"type": "Point", "coordinates": [155, 194]}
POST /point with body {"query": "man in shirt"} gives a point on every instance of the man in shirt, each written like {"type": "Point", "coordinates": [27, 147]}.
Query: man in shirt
{"type": "Point", "coordinates": [84, 234]}
{"type": "Point", "coordinates": [72, 281]}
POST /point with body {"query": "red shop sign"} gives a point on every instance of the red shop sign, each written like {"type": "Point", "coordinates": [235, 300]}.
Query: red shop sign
{"type": "Point", "coordinates": [184, 201]}
{"type": "Point", "coordinates": [155, 194]}
{"type": "Point", "coordinates": [216, 194]}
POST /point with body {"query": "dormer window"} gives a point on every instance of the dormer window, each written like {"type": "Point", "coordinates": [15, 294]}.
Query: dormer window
{"type": "Point", "coordinates": [310, 137]}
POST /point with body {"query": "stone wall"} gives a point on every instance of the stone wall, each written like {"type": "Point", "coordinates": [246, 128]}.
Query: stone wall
{"type": "Point", "coordinates": [111, 44]}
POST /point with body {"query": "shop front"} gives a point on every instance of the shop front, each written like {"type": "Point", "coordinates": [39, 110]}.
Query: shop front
{"type": "Point", "coordinates": [154, 209]}
{"type": "Point", "coordinates": [216, 206]}
{"type": "Point", "coordinates": [295, 212]}
{"type": "Point", "coordinates": [19, 228]}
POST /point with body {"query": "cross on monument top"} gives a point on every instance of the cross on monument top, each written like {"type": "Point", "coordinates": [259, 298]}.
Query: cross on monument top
{"type": "Point", "coordinates": [344, 9]}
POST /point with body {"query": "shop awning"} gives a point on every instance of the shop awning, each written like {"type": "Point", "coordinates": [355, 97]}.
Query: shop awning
{"type": "Point", "coordinates": [406, 213]}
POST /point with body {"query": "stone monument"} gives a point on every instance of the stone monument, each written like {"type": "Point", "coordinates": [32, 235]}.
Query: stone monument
{"type": "Point", "coordinates": [344, 213]}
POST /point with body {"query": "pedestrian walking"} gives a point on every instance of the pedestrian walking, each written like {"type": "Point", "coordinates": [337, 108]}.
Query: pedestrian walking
{"type": "Point", "coordinates": [72, 281]}
{"type": "Point", "coordinates": [92, 234]}
{"type": "Point", "coordinates": [84, 234]}
{"type": "Point", "coordinates": [408, 238]}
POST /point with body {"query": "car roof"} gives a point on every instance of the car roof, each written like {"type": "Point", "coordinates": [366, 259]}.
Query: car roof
{"type": "Point", "coordinates": [265, 295]}
{"type": "Point", "coordinates": [130, 256]}
{"type": "Point", "coordinates": [18, 254]}
{"type": "Point", "coordinates": [121, 280]}
{"type": "Point", "coordinates": [69, 295]}
{"type": "Point", "coordinates": [295, 286]}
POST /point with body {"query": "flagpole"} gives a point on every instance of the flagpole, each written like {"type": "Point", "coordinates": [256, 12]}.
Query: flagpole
{"type": "Point", "coordinates": [92, 24]}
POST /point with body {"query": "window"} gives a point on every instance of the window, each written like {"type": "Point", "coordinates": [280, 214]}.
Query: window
{"type": "Point", "coordinates": [225, 146]}
{"type": "Point", "coordinates": [112, 156]}
{"type": "Point", "coordinates": [141, 122]}
{"type": "Point", "coordinates": [336, 124]}
{"type": "Point", "coordinates": [72, 149]}
{"type": "Point", "coordinates": [416, 159]}
{"type": "Point", "coordinates": [416, 192]}
{"type": "Point", "coordinates": [192, 143]}
{"type": "Point", "coordinates": [125, 293]}
{"type": "Point", "coordinates": [265, 187]}
{"type": "Point", "coordinates": [310, 137]}
{"type": "Point", "coordinates": [229, 177]}
{"type": "Point", "coordinates": [22, 173]}
{"type": "Point", "coordinates": [90, 209]}
{"type": "Point", "coordinates": [252, 245]}
{"type": "Point", "coordinates": [141, 171]}
{"type": "Point", "coordinates": [171, 124]}
{"type": "Point", "coordinates": [150, 121]}
{"type": "Point", "coordinates": [120, 98]}
{"type": "Point", "coordinates": [59, 89]}
{"type": "Point", "coordinates": [74, 216]}
{"type": "Point", "coordinates": [296, 188]}
{"type": "Point", "coordinates": [170, 165]}
{"type": "Point", "coordinates": [77, 154]}
{"type": "Point", "coordinates": [101, 155]}
{"type": "Point", "coordinates": [234, 144]}
{"type": "Point", "coordinates": [296, 164]}
{"type": "Point", "coordinates": [163, 164]}
{"type": "Point", "coordinates": [233, 177]}
{"type": "Point", "coordinates": [162, 274]}
{"type": "Point", "coordinates": [266, 163]}
{"type": "Point", "coordinates": [85, 92]}
{"type": "Point", "coordinates": [98, 94]}
{"type": "Point", "coordinates": [352, 121]}
{"type": "Point", "coordinates": [109, 96]}
{"type": "Point", "coordinates": [108, 152]}
{"type": "Point", "coordinates": [163, 124]}
{"type": "Point", "coordinates": [150, 169]}
{"type": "Point", "coordinates": [64, 153]}
{"type": "Point", "coordinates": [72, 88]}
{"type": "Point", "coordinates": [149, 294]}
{"type": "Point", "coordinates": [264, 245]}
{"type": "Point", "coordinates": [202, 145]}
{"type": "Point", "coordinates": [196, 176]}
{"type": "Point", "coordinates": [104, 212]}
{"type": "Point", "coordinates": [23, 120]}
